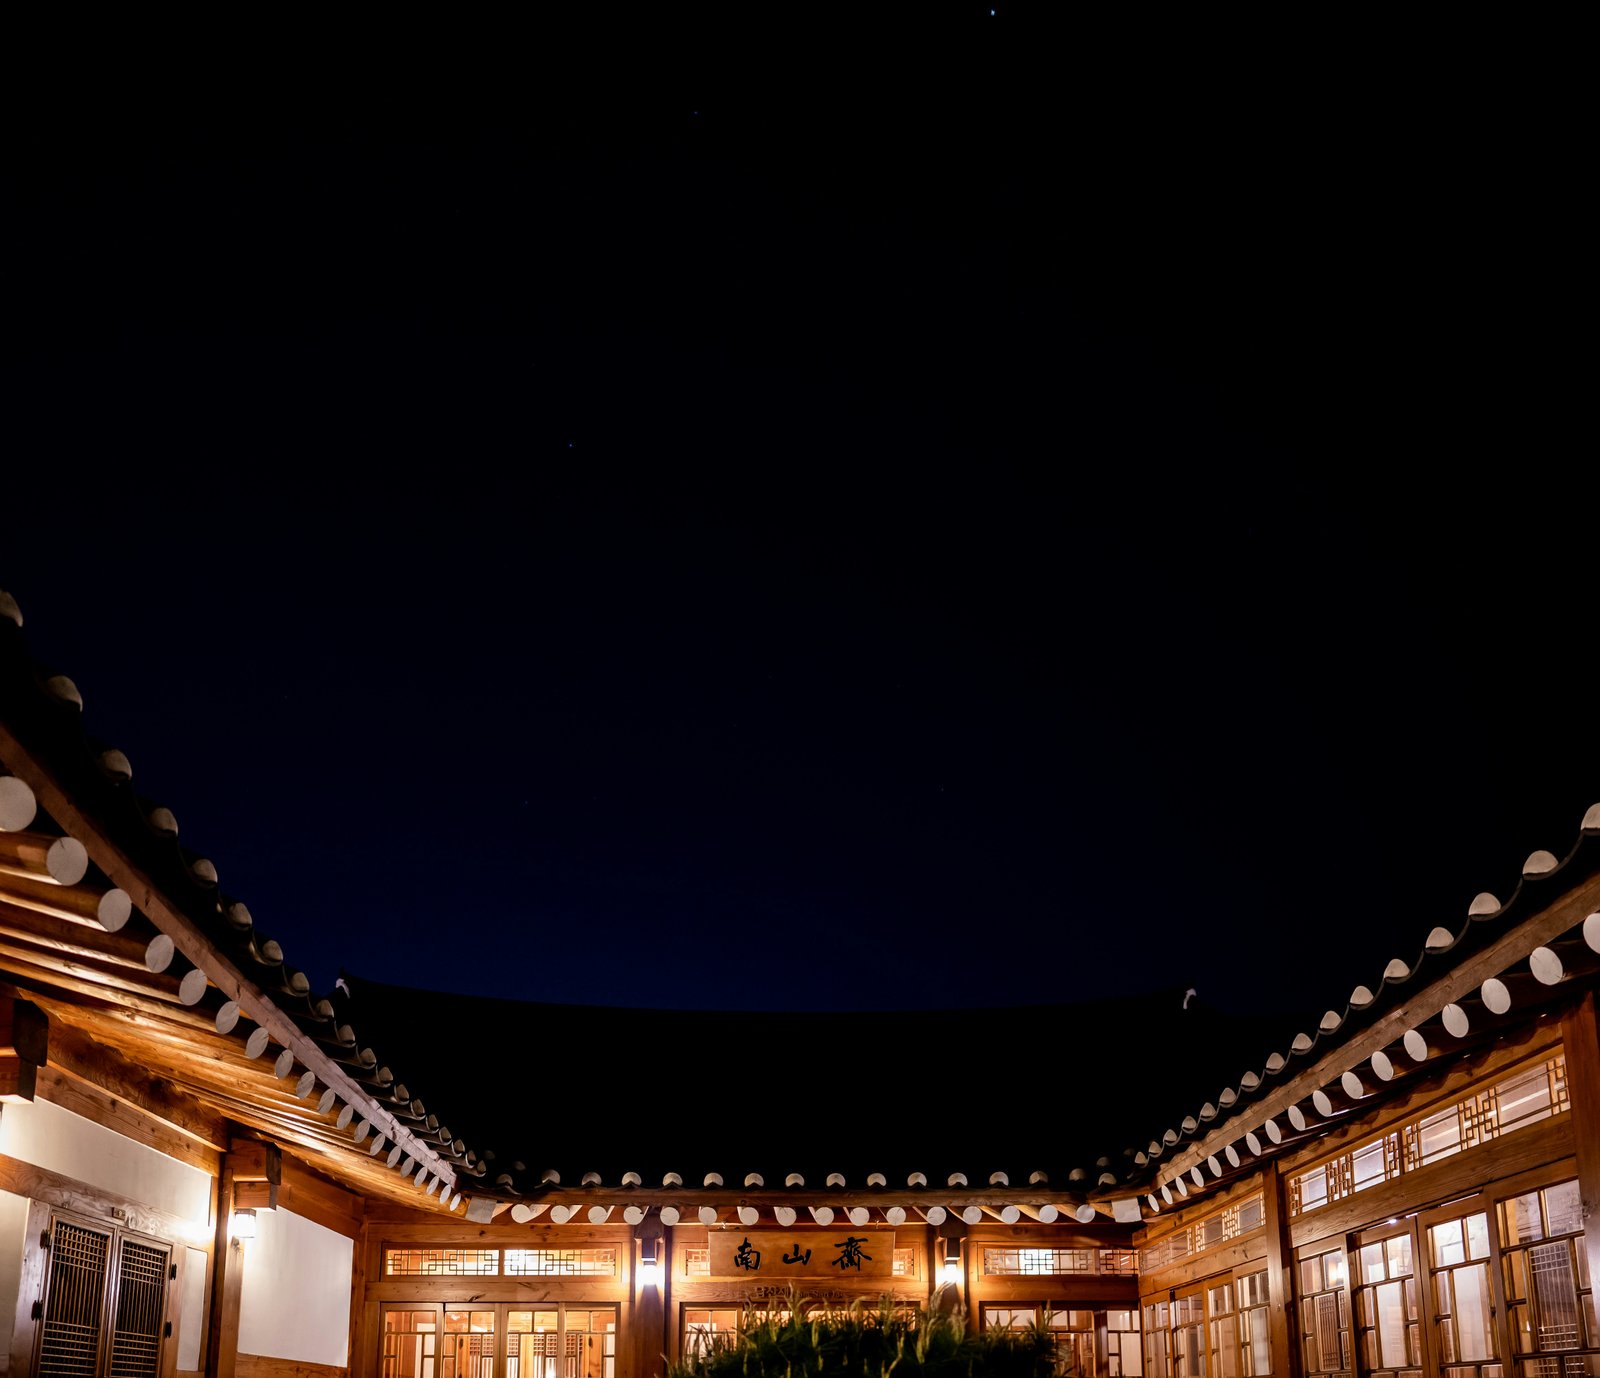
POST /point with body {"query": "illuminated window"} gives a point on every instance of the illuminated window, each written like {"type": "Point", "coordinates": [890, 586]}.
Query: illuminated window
{"type": "Point", "coordinates": [1524, 1096]}
{"type": "Point", "coordinates": [1037, 1262]}
{"type": "Point", "coordinates": [1071, 1332]}
{"type": "Point", "coordinates": [1124, 1352]}
{"type": "Point", "coordinates": [1255, 1340]}
{"type": "Point", "coordinates": [1463, 1296]}
{"type": "Point", "coordinates": [1325, 1313]}
{"type": "Point", "coordinates": [567, 1263]}
{"type": "Point", "coordinates": [1119, 1263]}
{"type": "Point", "coordinates": [1549, 1294]}
{"type": "Point", "coordinates": [1227, 1224]}
{"type": "Point", "coordinates": [440, 1263]}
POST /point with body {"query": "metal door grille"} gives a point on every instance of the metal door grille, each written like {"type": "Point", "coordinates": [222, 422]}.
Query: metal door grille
{"type": "Point", "coordinates": [70, 1344]}
{"type": "Point", "coordinates": [141, 1287]}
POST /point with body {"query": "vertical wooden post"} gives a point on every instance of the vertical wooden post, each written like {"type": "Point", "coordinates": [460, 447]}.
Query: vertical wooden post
{"type": "Point", "coordinates": [355, 1362]}
{"type": "Point", "coordinates": [1280, 1271]}
{"type": "Point", "coordinates": [222, 1347]}
{"type": "Point", "coordinates": [1580, 1041]}
{"type": "Point", "coordinates": [644, 1320]}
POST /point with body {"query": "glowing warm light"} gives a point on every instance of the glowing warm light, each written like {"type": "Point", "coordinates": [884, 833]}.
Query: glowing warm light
{"type": "Point", "coordinates": [950, 1272]}
{"type": "Point", "coordinates": [649, 1273]}
{"type": "Point", "coordinates": [244, 1225]}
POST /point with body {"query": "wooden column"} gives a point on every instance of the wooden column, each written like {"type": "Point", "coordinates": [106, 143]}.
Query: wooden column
{"type": "Point", "coordinates": [646, 1317]}
{"type": "Point", "coordinates": [1280, 1271]}
{"type": "Point", "coordinates": [1580, 1038]}
{"type": "Point", "coordinates": [222, 1339]}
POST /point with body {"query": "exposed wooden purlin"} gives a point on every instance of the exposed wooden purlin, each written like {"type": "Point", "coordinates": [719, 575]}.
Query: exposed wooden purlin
{"type": "Point", "coordinates": [42, 856]}
{"type": "Point", "coordinates": [221, 971]}
{"type": "Point", "coordinates": [321, 1142]}
{"type": "Point", "coordinates": [91, 977]}
{"type": "Point", "coordinates": [124, 948]}
{"type": "Point", "coordinates": [98, 994]}
{"type": "Point", "coordinates": [83, 903]}
{"type": "Point", "coordinates": [1452, 987]}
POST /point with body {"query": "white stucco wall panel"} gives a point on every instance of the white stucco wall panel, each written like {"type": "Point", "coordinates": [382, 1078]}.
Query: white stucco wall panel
{"type": "Point", "coordinates": [13, 1226]}
{"type": "Point", "coordinates": [294, 1301]}
{"type": "Point", "coordinates": [47, 1136]}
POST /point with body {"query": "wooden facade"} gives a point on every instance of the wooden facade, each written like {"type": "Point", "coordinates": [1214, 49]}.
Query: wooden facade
{"type": "Point", "coordinates": [1407, 1188]}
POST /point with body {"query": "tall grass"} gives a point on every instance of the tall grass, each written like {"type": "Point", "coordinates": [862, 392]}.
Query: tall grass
{"type": "Point", "coordinates": [885, 1339]}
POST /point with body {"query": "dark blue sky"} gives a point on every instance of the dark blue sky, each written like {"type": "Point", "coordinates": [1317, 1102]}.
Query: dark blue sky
{"type": "Point", "coordinates": [709, 545]}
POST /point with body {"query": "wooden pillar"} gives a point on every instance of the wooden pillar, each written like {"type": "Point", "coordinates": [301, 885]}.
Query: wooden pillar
{"type": "Point", "coordinates": [646, 1318]}
{"type": "Point", "coordinates": [355, 1361]}
{"type": "Point", "coordinates": [1580, 1040]}
{"type": "Point", "coordinates": [222, 1340]}
{"type": "Point", "coordinates": [1280, 1272]}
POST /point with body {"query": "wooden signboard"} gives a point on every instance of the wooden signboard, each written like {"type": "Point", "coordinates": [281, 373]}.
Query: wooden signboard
{"type": "Point", "coordinates": [776, 1255]}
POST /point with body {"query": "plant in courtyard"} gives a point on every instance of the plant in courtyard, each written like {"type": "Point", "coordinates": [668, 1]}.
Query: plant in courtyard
{"type": "Point", "coordinates": [801, 1339]}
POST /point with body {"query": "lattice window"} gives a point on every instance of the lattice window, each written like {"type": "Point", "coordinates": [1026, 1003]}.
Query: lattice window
{"type": "Point", "coordinates": [1037, 1262]}
{"type": "Point", "coordinates": [1166, 1250]}
{"type": "Point", "coordinates": [1524, 1096]}
{"type": "Point", "coordinates": [696, 1262]}
{"type": "Point", "coordinates": [905, 1263]}
{"type": "Point", "coordinates": [565, 1263]}
{"type": "Point", "coordinates": [1119, 1263]}
{"type": "Point", "coordinates": [1547, 1288]}
{"type": "Point", "coordinates": [1216, 1229]}
{"type": "Point", "coordinates": [441, 1263]}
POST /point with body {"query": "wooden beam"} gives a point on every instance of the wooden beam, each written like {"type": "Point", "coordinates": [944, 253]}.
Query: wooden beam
{"type": "Point", "coordinates": [74, 1054]}
{"type": "Point", "coordinates": [1513, 946]}
{"type": "Point", "coordinates": [262, 1366]}
{"type": "Point", "coordinates": [128, 875]}
{"type": "Point", "coordinates": [43, 1184]}
{"type": "Point", "coordinates": [312, 1198]}
{"type": "Point", "coordinates": [255, 1160]}
{"type": "Point", "coordinates": [255, 1196]}
{"type": "Point", "coordinates": [125, 1118]}
{"type": "Point", "coordinates": [24, 1030]}
{"type": "Point", "coordinates": [18, 1079]}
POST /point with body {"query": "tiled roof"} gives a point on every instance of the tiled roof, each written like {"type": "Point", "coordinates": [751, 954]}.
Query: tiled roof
{"type": "Point", "coordinates": [1031, 1110]}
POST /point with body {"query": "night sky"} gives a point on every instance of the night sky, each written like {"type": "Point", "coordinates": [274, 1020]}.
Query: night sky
{"type": "Point", "coordinates": [1032, 522]}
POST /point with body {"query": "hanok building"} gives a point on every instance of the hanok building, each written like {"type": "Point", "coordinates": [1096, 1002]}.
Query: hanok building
{"type": "Point", "coordinates": [207, 1166]}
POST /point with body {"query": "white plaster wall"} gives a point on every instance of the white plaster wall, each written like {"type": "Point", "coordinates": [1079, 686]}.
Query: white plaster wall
{"type": "Point", "coordinates": [294, 1300]}
{"type": "Point", "coordinates": [191, 1310]}
{"type": "Point", "coordinates": [45, 1135]}
{"type": "Point", "coordinates": [13, 1225]}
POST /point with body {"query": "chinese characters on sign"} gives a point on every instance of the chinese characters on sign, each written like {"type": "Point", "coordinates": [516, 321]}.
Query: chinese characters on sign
{"type": "Point", "coordinates": [828, 1253]}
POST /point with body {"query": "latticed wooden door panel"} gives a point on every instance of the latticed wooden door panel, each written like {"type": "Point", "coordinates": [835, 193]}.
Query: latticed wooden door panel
{"type": "Point", "coordinates": [140, 1301]}
{"type": "Point", "coordinates": [75, 1299]}
{"type": "Point", "coordinates": [104, 1313]}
